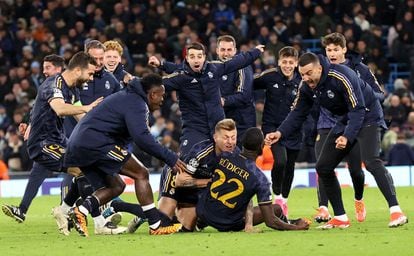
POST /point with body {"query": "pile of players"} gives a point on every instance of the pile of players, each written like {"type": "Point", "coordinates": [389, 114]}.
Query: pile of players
{"type": "Point", "coordinates": [215, 98]}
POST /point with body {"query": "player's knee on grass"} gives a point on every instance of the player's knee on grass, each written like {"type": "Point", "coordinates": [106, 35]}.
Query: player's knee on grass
{"type": "Point", "coordinates": [167, 206]}
{"type": "Point", "coordinates": [187, 216]}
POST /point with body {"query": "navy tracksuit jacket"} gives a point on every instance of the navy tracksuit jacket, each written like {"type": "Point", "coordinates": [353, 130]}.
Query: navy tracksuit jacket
{"type": "Point", "coordinates": [344, 94]}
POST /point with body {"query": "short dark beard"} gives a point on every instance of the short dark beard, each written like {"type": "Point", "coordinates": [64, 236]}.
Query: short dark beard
{"type": "Point", "coordinates": [79, 83]}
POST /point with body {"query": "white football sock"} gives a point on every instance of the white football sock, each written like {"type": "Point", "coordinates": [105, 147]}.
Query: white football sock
{"type": "Point", "coordinates": [342, 217]}
{"type": "Point", "coordinates": [99, 221]}
{"type": "Point", "coordinates": [395, 208]}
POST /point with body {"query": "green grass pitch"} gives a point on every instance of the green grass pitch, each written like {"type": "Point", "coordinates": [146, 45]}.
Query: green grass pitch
{"type": "Point", "coordinates": [38, 234]}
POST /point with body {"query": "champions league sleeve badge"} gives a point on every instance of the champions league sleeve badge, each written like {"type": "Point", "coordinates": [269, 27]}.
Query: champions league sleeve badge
{"type": "Point", "coordinates": [192, 165]}
{"type": "Point", "coordinates": [57, 93]}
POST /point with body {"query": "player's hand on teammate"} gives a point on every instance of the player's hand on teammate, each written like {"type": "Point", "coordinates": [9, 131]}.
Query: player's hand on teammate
{"type": "Point", "coordinates": [93, 104]}
{"type": "Point", "coordinates": [261, 47]}
{"type": "Point", "coordinates": [341, 142]}
{"type": "Point", "coordinates": [179, 166]}
{"type": "Point", "coordinates": [272, 137]}
{"type": "Point", "coordinates": [181, 179]}
{"type": "Point", "coordinates": [154, 62]}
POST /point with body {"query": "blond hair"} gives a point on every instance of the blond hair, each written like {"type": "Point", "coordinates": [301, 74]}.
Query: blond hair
{"type": "Point", "coordinates": [114, 45]}
{"type": "Point", "coordinates": [225, 124]}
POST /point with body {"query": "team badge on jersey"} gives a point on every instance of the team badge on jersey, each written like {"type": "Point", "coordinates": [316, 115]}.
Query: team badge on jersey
{"type": "Point", "coordinates": [224, 77]}
{"type": "Point", "coordinates": [210, 74]}
{"type": "Point", "coordinates": [85, 86]}
{"type": "Point", "coordinates": [276, 86]}
{"type": "Point", "coordinates": [330, 94]}
{"type": "Point", "coordinates": [171, 191]}
{"type": "Point", "coordinates": [107, 85]}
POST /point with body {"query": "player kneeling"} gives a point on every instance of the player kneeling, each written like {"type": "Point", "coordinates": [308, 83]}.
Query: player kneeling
{"type": "Point", "coordinates": [235, 181]}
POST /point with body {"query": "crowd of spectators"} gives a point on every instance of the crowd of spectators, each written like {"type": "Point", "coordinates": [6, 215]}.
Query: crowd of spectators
{"type": "Point", "coordinates": [381, 31]}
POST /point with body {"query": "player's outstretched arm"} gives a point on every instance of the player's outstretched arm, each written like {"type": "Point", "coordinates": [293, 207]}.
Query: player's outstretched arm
{"type": "Point", "coordinates": [261, 47]}
{"type": "Point", "coordinates": [93, 104]}
{"type": "Point", "coordinates": [274, 222]}
{"type": "Point", "coordinates": [239, 61]}
{"type": "Point", "coordinates": [62, 108]}
{"type": "Point", "coordinates": [166, 66]}
{"type": "Point", "coordinates": [89, 108]}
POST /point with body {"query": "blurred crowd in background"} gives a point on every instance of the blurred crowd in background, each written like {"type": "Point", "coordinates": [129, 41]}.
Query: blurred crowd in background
{"type": "Point", "coordinates": [381, 31]}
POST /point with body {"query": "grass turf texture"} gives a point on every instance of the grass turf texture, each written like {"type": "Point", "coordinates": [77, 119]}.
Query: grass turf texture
{"type": "Point", "coordinates": [38, 235]}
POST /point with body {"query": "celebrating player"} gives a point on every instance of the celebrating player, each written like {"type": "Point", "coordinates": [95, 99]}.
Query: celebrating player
{"type": "Point", "coordinates": [336, 51]}
{"type": "Point", "coordinates": [235, 181]}
{"type": "Point", "coordinates": [181, 190]}
{"type": "Point", "coordinates": [198, 87]}
{"type": "Point", "coordinates": [98, 147]}
{"type": "Point", "coordinates": [343, 93]}
{"type": "Point", "coordinates": [47, 141]}
{"type": "Point", "coordinates": [282, 85]}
